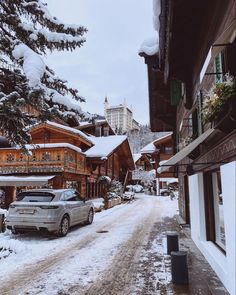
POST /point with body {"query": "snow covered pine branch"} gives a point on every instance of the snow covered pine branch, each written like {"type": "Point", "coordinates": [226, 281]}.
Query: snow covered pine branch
{"type": "Point", "coordinates": [29, 89]}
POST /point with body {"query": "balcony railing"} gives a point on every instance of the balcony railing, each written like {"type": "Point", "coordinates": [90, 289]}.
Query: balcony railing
{"type": "Point", "coordinates": [42, 160]}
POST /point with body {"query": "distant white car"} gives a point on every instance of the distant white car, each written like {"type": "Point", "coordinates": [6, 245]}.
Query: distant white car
{"type": "Point", "coordinates": [137, 188]}
{"type": "Point", "coordinates": [128, 195]}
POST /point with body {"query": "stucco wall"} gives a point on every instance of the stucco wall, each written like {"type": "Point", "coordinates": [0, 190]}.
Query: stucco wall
{"type": "Point", "coordinates": [223, 265]}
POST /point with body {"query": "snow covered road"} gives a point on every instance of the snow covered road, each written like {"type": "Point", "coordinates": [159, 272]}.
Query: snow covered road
{"type": "Point", "coordinates": [97, 259]}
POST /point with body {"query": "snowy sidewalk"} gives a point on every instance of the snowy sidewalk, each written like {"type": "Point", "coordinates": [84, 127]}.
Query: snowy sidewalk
{"type": "Point", "coordinates": [155, 266]}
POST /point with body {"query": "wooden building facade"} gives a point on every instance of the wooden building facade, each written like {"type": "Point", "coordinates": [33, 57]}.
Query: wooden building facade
{"type": "Point", "coordinates": [59, 157]}
{"type": "Point", "coordinates": [192, 92]}
{"type": "Point", "coordinates": [159, 151]}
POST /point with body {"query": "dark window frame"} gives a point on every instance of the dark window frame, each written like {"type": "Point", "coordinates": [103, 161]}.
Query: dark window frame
{"type": "Point", "coordinates": [209, 208]}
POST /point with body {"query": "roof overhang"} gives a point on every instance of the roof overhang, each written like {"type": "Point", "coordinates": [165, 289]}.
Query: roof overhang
{"type": "Point", "coordinates": [187, 31]}
{"type": "Point", "coordinates": [24, 180]}
{"type": "Point", "coordinates": [162, 113]}
{"type": "Point", "coordinates": [184, 152]}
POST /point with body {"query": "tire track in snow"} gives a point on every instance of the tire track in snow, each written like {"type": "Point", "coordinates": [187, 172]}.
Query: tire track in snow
{"type": "Point", "coordinates": [19, 282]}
{"type": "Point", "coordinates": [117, 279]}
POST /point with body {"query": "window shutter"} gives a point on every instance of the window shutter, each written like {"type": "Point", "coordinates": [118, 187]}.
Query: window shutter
{"type": "Point", "coordinates": [175, 92]}
{"type": "Point", "coordinates": [219, 67]}
{"type": "Point", "coordinates": [199, 114]}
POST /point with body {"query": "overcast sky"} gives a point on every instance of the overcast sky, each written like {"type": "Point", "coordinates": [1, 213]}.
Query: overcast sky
{"type": "Point", "coordinates": [108, 63]}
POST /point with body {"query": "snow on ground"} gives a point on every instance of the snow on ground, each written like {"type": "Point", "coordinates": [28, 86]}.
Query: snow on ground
{"type": "Point", "coordinates": [91, 251]}
{"type": "Point", "coordinates": [98, 203]}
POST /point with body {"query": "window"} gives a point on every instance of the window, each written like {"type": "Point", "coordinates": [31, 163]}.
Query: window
{"type": "Point", "coordinates": [214, 201]}
{"type": "Point", "coordinates": [10, 158]}
{"type": "Point", "coordinates": [218, 209]}
{"type": "Point", "coordinates": [46, 157]}
{"type": "Point", "coordinates": [168, 150]}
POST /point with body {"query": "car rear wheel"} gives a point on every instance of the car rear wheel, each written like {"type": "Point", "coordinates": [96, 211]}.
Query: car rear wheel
{"type": "Point", "coordinates": [64, 227]}
{"type": "Point", "coordinates": [90, 217]}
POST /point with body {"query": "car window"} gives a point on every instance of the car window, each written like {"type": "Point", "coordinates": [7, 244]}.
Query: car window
{"type": "Point", "coordinates": [70, 196]}
{"type": "Point", "coordinates": [35, 197]}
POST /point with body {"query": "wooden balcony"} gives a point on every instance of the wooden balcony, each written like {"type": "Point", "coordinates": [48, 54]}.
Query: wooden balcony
{"type": "Point", "coordinates": [42, 160]}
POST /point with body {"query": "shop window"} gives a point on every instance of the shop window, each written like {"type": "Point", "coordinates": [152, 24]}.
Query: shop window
{"type": "Point", "coordinates": [214, 209]}
{"type": "Point", "coordinates": [218, 209]}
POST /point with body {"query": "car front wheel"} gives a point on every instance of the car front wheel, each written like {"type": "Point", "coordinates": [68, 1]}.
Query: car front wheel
{"type": "Point", "coordinates": [64, 227]}
{"type": "Point", "coordinates": [90, 217]}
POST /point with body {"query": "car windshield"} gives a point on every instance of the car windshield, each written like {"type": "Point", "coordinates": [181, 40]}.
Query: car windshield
{"type": "Point", "coordinates": [35, 197]}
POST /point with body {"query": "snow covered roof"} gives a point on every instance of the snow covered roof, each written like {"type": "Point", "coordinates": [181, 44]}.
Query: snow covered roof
{"type": "Point", "coordinates": [53, 145]}
{"type": "Point", "coordinates": [24, 180]}
{"type": "Point", "coordinates": [67, 128]}
{"type": "Point", "coordinates": [86, 123]}
{"type": "Point", "coordinates": [159, 139]}
{"type": "Point", "coordinates": [150, 46]}
{"type": "Point", "coordinates": [136, 157]}
{"type": "Point", "coordinates": [149, 148]}
{"type": "Point", "coordinates": [104, 146]}
{"type": "Point", "coordinates": [49, 145]}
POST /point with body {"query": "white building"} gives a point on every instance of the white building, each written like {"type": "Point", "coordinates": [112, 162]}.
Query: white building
{"type": "Point", "coordinates": [120, 117]}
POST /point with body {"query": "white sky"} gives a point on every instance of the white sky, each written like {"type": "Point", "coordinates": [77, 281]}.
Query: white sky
{"type": "Point", "coordinates": [108, 63]}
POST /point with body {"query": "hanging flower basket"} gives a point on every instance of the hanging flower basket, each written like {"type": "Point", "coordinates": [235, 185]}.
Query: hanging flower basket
{"type": "Point", "coordinates": [219, 105]}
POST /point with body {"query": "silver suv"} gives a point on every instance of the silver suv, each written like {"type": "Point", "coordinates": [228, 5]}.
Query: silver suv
{"type": "Point", "coordinates": [48, 210]}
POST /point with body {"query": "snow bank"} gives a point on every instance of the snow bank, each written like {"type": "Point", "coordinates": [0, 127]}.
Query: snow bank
{"type": "Point", "coordinates": [98, 204]}
{"type": "Point", "coordinates": [9, 245]}
{"type": "Point", "coordinates": [3, 211]}
{"type": "Point", "coordinates": [33, 65]}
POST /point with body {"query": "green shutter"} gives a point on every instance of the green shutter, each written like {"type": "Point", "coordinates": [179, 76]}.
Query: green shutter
{"type": "Point", "coordinates": [199, 114]}
{"type": "Point", "coordinates": [219, 67]}
{"type": "Point", "coordinates": [175, 92]}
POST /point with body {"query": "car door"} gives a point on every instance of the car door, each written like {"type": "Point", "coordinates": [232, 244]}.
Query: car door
{"type": "Point", "coordinates": [75, 206]}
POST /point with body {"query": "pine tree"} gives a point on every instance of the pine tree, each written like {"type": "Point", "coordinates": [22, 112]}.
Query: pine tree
{"type": "Point", "coordinates": [27, 32]}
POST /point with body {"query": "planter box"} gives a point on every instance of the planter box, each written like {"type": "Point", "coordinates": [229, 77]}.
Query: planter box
{"type": "Point", "coordinates": [226, 120]}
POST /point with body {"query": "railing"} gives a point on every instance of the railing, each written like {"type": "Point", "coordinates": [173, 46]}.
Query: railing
{"type": "Point", "coordinates": [42, 160]}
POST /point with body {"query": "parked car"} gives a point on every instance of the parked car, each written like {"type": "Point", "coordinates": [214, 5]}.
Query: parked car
{"type": "Point", "coordinates": [137, 188]}
{"type": "Point", "coordinates": [52, 210]}
{"type": "Point", "coordinates": [128, 195]}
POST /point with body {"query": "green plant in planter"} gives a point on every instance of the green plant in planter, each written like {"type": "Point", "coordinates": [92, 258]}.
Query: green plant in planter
{"type": "Point", "coordinates": [215, 101]}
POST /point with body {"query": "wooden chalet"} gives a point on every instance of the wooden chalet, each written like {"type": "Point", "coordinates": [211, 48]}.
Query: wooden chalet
{"type": "Point", "coordinates": [97, 128]}
{"type": "Point", "coordinates": [159, 151]}
{"type": "Point", "coordinates": [142, 161]}
{"type": "Point", "coordinates": [62, 157]}
{"type": "Point", "coordinates": [110, 156]}
{"type": "Point", "coordinates": [142, 165]}
{"type": "Point", "coordinates": [197, 47]}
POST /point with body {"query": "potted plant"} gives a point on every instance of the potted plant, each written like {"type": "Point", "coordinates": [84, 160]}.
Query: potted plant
{"type": "Point", "coordinates": [220, 102]}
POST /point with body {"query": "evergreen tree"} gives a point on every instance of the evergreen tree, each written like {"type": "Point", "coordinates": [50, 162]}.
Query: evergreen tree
{"type": "Point", "coordinates": [29, 89]}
